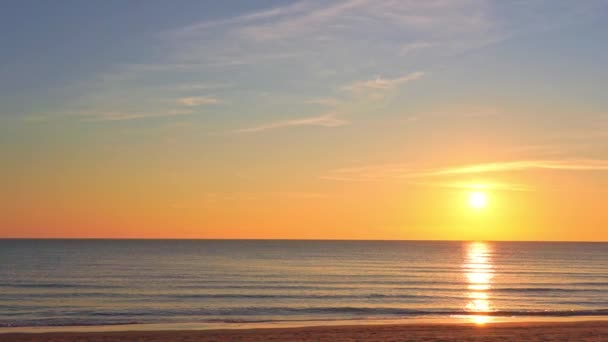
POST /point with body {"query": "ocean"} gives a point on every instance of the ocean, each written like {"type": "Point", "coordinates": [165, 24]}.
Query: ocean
{"type": "Point", "coordinates": [110, 282]}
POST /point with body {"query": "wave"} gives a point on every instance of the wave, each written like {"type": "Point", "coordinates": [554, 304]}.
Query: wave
{"type": "Point", "coordinates": [545, 289]}
{"type": "Point", "coordinates": [286, 314]}
{"type": "Point", "coordinates": [56, 286]}
{"type": "Point", "coordinates": [391, 311]}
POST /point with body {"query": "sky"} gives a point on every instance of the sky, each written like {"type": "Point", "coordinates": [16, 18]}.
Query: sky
{"type": "Point", "coordinates": [350, 119]}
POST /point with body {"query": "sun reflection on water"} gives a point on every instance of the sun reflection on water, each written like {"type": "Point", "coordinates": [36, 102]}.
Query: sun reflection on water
{"type": "Point", "coordinates": [478, 270]}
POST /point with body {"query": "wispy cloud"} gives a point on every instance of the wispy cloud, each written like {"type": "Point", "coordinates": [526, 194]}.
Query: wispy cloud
{"type": "Point", "coordinates": [193, 101]}
{"type": "Point", "coordinates": [355, 39]}
{"type": "Point", "coordinates": [265, 14]}
{"type": "Point", "coordinates": [404, 171]}
{"type": "Point", "coordinates": [571, 165]}
{"type": "Point", "coordinates": [298, 21]}
{"type": "Point", "coordinates": [326, 120]}
{"type": "Point", "coordinates": [125, 116]}
{"type": "Point", "coordinates": [384, 83]}
{"type": "Point", "coordinates": [304, 28]}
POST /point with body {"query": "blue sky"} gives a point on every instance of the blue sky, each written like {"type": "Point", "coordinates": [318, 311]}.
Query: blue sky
{"type": "Point", "coordinates": [297, 97]}
{"type": "Point", "coordinates": [127, 60]}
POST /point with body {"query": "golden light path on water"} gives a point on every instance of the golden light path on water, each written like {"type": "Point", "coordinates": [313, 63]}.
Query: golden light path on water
{"type": "Point", "coordinates": [479, 271]}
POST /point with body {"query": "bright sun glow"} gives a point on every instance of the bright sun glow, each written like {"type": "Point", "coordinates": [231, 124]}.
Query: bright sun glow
{"type": "Point", "coordinates": [478, 199]}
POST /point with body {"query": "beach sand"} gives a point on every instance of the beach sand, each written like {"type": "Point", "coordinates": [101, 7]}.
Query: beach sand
{"type": "Point", "coordinates": [548, 332]}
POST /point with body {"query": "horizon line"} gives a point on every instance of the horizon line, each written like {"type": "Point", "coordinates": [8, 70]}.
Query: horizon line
{"type": "Point", "coordinates": [289, 239]}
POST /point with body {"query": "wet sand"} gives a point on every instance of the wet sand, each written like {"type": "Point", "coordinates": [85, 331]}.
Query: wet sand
{"type": "Point", "coordinates": [546, 331]}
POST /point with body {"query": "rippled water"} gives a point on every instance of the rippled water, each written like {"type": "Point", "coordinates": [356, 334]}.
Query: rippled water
{"type": "Point", "coordinates": [98, 282]}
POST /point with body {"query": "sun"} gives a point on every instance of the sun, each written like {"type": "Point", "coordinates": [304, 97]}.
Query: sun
{"type": "Point", "coordinates": [478, 200]}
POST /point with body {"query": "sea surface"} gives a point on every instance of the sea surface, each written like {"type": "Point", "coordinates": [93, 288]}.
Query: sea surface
{"type": "Point", "coordinates": [109, 282]}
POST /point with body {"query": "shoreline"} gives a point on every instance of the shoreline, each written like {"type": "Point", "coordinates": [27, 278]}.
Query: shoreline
{"type": "Point", "coordinates": [290, 324]}
{"type": "Point", "coordinates": [583, 330]}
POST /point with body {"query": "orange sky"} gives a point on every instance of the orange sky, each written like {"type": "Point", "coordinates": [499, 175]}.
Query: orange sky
{"type": "Point", "coordinates": [522, 205]}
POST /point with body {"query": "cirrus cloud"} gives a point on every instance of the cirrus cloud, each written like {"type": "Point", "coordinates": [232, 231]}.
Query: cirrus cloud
{"type": "Point", "coordinates": [194, 101]}
{"type": "Point", "coordinates": [384, 83]}
{"type": "Point", "coordinates": [404, 171]}
{"type": "Point", "coordinates": [325, 120]}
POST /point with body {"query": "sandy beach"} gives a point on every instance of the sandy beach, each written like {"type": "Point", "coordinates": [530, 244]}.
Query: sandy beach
{"type": "Point", "coordinates": [548, 332]}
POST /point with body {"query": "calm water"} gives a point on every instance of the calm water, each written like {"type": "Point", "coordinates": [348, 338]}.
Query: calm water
{"type": "Point", "coordinates": [76, 282]}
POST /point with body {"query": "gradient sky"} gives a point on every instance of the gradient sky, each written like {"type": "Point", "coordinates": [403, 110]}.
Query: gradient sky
{"type": "Point", "coordinates": [352, 119]}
